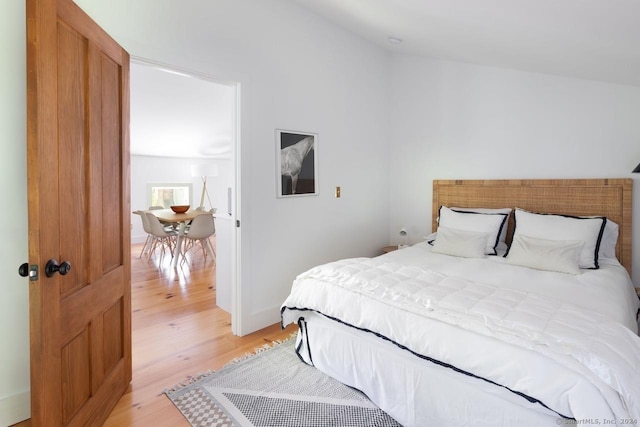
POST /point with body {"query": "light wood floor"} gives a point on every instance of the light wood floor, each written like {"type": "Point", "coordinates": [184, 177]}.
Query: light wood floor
{"type": "Point", "coordinates": [177, 331]}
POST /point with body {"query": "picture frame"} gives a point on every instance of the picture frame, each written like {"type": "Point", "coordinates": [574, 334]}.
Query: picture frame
{"type": "Point", "coordinates": [296, 163]}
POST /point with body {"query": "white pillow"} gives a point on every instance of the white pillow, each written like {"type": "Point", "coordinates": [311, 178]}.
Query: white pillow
{"type": "Point", "coordinates": [551, 255]}
{"type": "Point", "coordinates": [462, 243]}
{"type": "Point", "coordinates": [503, 211]}
{"type": "Point", "coordinates": [478, 222]}
{"type": "Point", "coordinates": [607, 253]}
{"type": "Point", "coordinates": [564, 227]}
{"type": "Point", "coordinates": [501, 249]}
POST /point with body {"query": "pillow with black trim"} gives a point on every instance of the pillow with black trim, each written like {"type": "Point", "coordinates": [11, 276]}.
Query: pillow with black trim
{"type": "Point", "coordinates": [491, 223]}
{"type": "Point", "coordinates": [502, 240]}
{"type": "Point", "coordinates": [541, 254]}
{"type": "Point", "coordinates": [563, 227]}
{"type": "Point", "coordinates": [607, 253]}
{"type": "Point", "coordinates": [460, 243]}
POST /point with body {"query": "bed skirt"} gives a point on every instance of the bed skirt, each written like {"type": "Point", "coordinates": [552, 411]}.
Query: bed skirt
{"type": "Point", "coordinates": [414, 391]}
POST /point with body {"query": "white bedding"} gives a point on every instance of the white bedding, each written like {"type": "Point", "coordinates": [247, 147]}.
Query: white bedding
{"type": "Point", "coordinates": [568, 342]}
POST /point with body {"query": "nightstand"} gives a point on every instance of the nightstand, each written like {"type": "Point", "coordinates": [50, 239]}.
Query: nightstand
{"type": "Point", "coordinates": [388, 249]}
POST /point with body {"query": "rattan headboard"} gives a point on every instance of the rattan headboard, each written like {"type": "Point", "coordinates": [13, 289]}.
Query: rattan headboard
{"type": "Point", "coordinates": [603, 197]}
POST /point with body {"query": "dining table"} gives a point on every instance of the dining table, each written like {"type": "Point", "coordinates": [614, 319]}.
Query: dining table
{"type": "Point", "coordinates": [179, 221]}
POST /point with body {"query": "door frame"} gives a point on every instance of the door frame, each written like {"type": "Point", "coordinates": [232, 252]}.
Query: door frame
{"type": "Point", "coordinates": [236, 192]}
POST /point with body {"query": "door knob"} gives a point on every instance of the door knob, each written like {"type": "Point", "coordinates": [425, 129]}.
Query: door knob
{"type": "Point", "coordinates": [53, 267]}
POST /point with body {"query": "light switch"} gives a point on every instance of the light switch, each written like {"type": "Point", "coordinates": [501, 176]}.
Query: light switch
{"type": "Point", "coordinates": [337, 192]}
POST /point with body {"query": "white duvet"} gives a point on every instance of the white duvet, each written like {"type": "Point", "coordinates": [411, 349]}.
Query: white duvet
{"type": "Point", "coordinates": [568, 342]}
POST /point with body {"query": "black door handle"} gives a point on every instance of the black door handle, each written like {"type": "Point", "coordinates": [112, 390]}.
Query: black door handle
{"type": "Point", "coordinates": [53, 267]}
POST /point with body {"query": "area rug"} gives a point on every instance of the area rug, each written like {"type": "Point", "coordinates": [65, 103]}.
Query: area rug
{"type": "Point", "coordinates": [274, 388]}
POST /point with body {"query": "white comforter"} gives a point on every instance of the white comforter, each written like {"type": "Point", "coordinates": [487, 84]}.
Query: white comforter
{"type": "Point", "coordinates": [567, 341]}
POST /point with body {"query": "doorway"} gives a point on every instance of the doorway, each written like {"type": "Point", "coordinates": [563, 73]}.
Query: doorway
{"type": "Point", "coordinates": [182, 121]}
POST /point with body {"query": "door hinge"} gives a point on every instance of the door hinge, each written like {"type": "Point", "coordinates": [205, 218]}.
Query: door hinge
{"type": "Point", "coordinates": [237, 223]}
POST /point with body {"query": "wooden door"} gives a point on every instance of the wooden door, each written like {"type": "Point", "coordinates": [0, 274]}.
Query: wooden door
{"type": "Point", "coordinates": [78, 193]}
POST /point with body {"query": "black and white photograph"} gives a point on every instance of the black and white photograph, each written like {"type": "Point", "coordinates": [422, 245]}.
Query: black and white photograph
{"type": "Point", "coordinates": [297, 163]}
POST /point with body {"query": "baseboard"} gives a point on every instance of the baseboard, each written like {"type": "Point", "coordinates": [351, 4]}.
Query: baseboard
{"type": "Point", "coordinates": [15, 408]}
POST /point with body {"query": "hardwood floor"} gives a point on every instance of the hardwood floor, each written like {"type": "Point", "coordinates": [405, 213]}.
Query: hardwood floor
{"type": "Point", "coordinates": [178, 331]}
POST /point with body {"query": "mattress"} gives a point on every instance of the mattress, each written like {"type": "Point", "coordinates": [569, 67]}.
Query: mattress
{"type": "Point", "coordinates": [504, 344]}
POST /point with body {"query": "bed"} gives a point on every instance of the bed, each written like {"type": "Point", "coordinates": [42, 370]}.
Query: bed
{"type": "Point", "coordinates": [447, 333]}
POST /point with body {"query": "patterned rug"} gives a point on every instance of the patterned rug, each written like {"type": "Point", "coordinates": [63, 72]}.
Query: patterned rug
{"type": "Point", "coordinates": [274, 388]}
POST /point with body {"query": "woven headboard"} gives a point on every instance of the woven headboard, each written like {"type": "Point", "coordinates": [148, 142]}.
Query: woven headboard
{"type": "Point", "coordinates": [602, 197]}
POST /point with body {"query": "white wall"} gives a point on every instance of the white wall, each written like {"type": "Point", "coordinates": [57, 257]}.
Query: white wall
{"type": "Point", "coordinates": [453, 120]}
{"type": "Point", "coordinates": [444, 120]}
{"type": "Point", "coordinates": [147, 169]}
{"type": "Point", "coordinates": [296, 72]}
{"type": "Point", "coordinates": [14, 304]}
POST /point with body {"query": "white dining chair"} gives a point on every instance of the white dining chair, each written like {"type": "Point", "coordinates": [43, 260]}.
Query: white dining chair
{"type": "Point", "coordinates": [201, 229]}
{"type": "Point", "coordinates": [167, 225]}
{"type": "Point", "coordinates": [145, 226]}
{"type": "Point", "coordinates": [161, 236]}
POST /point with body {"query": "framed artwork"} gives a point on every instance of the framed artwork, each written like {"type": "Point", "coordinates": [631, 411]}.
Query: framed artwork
{"type": "Point", "coordinates": [296, 163]}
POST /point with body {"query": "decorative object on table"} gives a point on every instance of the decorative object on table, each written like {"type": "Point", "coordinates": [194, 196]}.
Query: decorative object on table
{"type": "Point", "coordinates": [203, 171]}
{"type": "Point", "coordinates": [180, 208]}
{"type": "Point", "coordinates": [404, 238]}
{"type": "Point", "coordinates": [273, 387]}
{"type": "Point", "coordinates": [296, 163]}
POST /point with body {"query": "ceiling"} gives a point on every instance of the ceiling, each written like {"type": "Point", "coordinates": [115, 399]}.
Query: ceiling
{"type": "Point", "coordinates": [181, 116]}
{"type": "Point", "coordinates": [176, 115]}
{"type": "Point", "coordinates": [589, 39]}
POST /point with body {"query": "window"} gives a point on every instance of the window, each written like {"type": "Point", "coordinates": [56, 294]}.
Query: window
{"type": "Point", "coordinates": [166, 195]}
